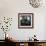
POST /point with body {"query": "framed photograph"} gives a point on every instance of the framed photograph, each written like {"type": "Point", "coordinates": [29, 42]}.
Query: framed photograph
{"type": "Point", "coordinates": [25, 20]}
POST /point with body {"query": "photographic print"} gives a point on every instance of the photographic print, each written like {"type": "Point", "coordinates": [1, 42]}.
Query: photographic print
{"type": "Point", "coordinates": [25, 20]}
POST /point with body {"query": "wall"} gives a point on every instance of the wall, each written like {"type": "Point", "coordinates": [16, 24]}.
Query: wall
{"type": "Point", "coordinates": [11, 8]}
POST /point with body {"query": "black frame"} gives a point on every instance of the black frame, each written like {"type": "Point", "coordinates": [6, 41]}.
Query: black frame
{"type": "Point", "coordinates": [26, 15]}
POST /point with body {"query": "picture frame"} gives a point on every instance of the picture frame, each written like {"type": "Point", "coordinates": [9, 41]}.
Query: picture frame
{"type": "Point", "coordinates": [25, 20]}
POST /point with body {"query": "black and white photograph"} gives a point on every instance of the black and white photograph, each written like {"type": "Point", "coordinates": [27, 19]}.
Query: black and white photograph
{"type": "Point", "coordinates": [25, 20]}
